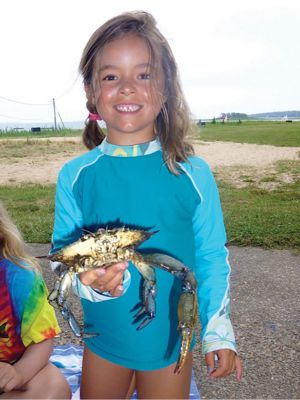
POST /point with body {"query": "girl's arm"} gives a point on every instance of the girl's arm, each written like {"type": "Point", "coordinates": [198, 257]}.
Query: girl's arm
{"type": "Point", "coordinates": [35, 357]}
{"type": "Point", "coordinates": [212, 269]}
{"type": "Point", "coordinates": [212, 266]}
{"type": "Point", "coordinates": [68, 223]}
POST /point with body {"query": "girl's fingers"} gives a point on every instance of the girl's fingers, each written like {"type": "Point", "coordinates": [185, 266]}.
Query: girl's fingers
{"type": "Point", "coordinates": [102, 276]}
{"type": "Point", "coordinates": [111, 285]}
{"type": "Point", "coordinates": [210, 362]}
{"type": "Point", "coordinates": [9, 384]}
{"type": "Point", "coordinates": [228, 364]}
{"type": "Point", "coordinates": [87, 278]}
{"type": "Point", "coordinates": [118, 291]}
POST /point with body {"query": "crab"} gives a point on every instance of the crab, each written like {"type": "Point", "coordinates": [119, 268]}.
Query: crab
{"type": "Point", "coordinates": [109, 246]}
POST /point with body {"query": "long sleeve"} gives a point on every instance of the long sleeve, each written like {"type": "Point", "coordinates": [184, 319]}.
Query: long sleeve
{"type": "Point", "coordinates": [68, 219]}
{"type": "Point", "coordinates": [68, 224]}
{"type": "Point", "coordinates": [212, 266]}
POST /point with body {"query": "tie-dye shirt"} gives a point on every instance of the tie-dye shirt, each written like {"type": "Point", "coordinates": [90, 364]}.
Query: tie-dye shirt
{"type": "Point", "coordinates": [26, 317]}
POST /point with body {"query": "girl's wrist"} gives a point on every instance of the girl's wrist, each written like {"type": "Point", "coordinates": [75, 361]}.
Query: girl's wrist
{"type": "Point", "coordinates": [21, 377]}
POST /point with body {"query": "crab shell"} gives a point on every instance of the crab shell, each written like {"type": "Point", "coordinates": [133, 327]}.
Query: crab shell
{"type": "Point", "coordinates": [104, 241]}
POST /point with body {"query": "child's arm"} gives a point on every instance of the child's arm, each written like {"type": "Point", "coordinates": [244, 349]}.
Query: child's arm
{"type": "Point", "coordinates": [35, 357]}
{"type": "Point", "coordinates": [212, 272]}
{"type": "Point", "coordinates": [68, 225]}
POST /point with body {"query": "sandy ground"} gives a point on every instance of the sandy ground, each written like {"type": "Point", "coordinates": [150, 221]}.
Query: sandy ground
{"type": "Point", "coordinates": [224, 157]}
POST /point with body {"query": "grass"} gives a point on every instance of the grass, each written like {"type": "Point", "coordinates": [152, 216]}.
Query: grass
{"type": "Point", "coordinates": [253, 217]}
{"type": "Point", "coordinates": [31, 207]}
{"type": "Point", "coordinates": [256, 217]}
{"type": "Point", "coordinates": [274, 133]}
{"type": "Point", "coordinates": [43, 134]}
{"type": "Point", "coordinates": [32, 148]}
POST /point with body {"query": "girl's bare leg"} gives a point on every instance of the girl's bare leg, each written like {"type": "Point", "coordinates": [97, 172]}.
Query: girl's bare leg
{"type": "Point", "coordinates": [48, 383]}
{"type": "Point", "coordinates": [164, 384]}
{"type": "Point", "coordinates": [131, 387]}
{"type": "Point", "coordinates": [102, 379]}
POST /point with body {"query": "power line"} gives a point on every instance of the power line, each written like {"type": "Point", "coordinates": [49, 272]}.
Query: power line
{"type": "Point", "coordinates": [23, 103]}
{"type": "Point", "coordinates": [68, 90]}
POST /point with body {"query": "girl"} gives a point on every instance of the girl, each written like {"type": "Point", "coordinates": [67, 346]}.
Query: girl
{"type": "Point", "coordinates": [143, 174]}
{"type": "Point", "coordinates": [27, 324]}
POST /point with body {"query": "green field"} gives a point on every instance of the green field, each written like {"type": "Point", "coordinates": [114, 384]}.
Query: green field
{"type": "Point", "coordinates": [253, 217]}
{"type": "Point", "coordinates": [256, 217]}
{"type": "Point", "coordinates": [31, 207]}
{"type": "Point", "coordinates": [274, 133]}
{"type": "Point", "coordinates": [259, 132]}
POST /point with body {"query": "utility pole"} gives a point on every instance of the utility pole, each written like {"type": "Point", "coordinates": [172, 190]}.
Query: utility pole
{"type": "Point", "coordinates": [54, 110]}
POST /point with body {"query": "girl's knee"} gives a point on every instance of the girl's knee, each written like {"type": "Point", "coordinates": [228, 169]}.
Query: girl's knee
{"type": "Point", "coordinates": [59, 385]}
{"type": "Point", "coordinates": [49, 383]}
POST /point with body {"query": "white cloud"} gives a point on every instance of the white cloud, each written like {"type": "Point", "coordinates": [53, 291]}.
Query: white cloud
{"type": "Point", "coordinates": [233, 56]}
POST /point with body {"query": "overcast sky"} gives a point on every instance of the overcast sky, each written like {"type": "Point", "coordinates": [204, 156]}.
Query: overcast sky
{"type": "Point", "coordinates": [233, 56]}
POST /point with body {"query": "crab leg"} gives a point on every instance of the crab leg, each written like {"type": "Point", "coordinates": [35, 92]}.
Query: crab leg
{"type": "Point", "coordinates": [187, 307]}
{"type": "Point", "coordinates": [59, 295]}
{"type": "Point", "coordinates": [148, 308]}
{"type": "Point", "coordinates": [69, 317]}
{"type": "Point", "coordinates": [61, 288]}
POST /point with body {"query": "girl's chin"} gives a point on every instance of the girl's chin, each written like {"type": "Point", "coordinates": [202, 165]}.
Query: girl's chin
{"type": "Point", "coordinates": [127, 137]}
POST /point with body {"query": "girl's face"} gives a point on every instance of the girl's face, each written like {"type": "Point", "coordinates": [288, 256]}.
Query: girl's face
{"type": "Point", "coordinates": [127, 91]}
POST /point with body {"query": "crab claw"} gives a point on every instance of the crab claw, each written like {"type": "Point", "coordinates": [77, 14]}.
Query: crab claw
{"type": "Point", "coordinates": [187, 316]}
{"type": "Point", "coordinates": [148, 308]}
{"type": "Point", "coordinates": [187, 307]}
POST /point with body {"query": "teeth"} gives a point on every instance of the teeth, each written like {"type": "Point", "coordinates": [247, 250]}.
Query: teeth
{"type": "Point", "coordinates": [127, 107]}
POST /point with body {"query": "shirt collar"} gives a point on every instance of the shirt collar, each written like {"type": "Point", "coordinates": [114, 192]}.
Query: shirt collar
{"type": "Point", "coordinates": [129, 150]}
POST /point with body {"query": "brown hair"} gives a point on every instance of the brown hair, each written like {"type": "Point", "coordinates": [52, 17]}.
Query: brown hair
{"type": "Point", "coordinates": [12, 246]}
{"type": "Point", "coordinates": [173, 122]}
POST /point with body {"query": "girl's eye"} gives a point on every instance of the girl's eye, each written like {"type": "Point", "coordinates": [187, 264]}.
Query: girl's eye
{"type": "Point", "coordinates": [145, 76]}
{"type": "Point", "coordinates": [110, 78]}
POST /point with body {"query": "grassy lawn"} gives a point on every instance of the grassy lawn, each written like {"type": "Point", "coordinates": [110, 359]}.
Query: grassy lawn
{"type": "Point", "coordinates": [45, 133]}
{"type": "Point", "coordinates": [256, 217]}
{"type": "Point", "coordinates": [258, 132]}
{"type": "Point", "coordinates": [31, 207]}
{"type": "Point", "coordinates": [253, 217]}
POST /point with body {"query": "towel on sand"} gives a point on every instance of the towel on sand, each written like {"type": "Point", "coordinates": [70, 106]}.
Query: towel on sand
{"type": "Point", "coordinates": [68, 358]}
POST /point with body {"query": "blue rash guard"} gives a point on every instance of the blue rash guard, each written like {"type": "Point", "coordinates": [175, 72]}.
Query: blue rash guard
{"type": "Point", "coordinates": [113, 186]}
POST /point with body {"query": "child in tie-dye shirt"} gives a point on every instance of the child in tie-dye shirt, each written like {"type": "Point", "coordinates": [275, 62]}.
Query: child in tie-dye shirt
{"type": "Point", "coordinates": [27, 324]}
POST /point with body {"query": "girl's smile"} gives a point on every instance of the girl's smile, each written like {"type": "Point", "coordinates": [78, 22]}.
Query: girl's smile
{"type": "Point", "coordinates": [128, 108]}
{"type": "Point", "coordinates": [127, 90]}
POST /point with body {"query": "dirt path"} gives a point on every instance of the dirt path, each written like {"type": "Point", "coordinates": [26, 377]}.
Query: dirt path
{"type": "Point", "coordinates": [44, 167]}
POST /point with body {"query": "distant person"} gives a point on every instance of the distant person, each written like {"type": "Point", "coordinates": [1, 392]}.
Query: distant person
{"type": "Point", "coordinates": [143, 173]}
{"type": "Point", "coordinates": [27, 324]}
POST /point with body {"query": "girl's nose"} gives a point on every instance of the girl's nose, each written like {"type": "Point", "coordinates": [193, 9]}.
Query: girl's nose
{"type": "Point", "coordinates": [127, 88]}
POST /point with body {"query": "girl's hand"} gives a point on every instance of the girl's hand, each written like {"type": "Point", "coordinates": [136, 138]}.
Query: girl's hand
{"type": "Point", "coordinates": [10, 378]}
{"type": "Point", "coordinates": [108, 279]}
{"type": "Point", "coordinates": [228, 362]}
